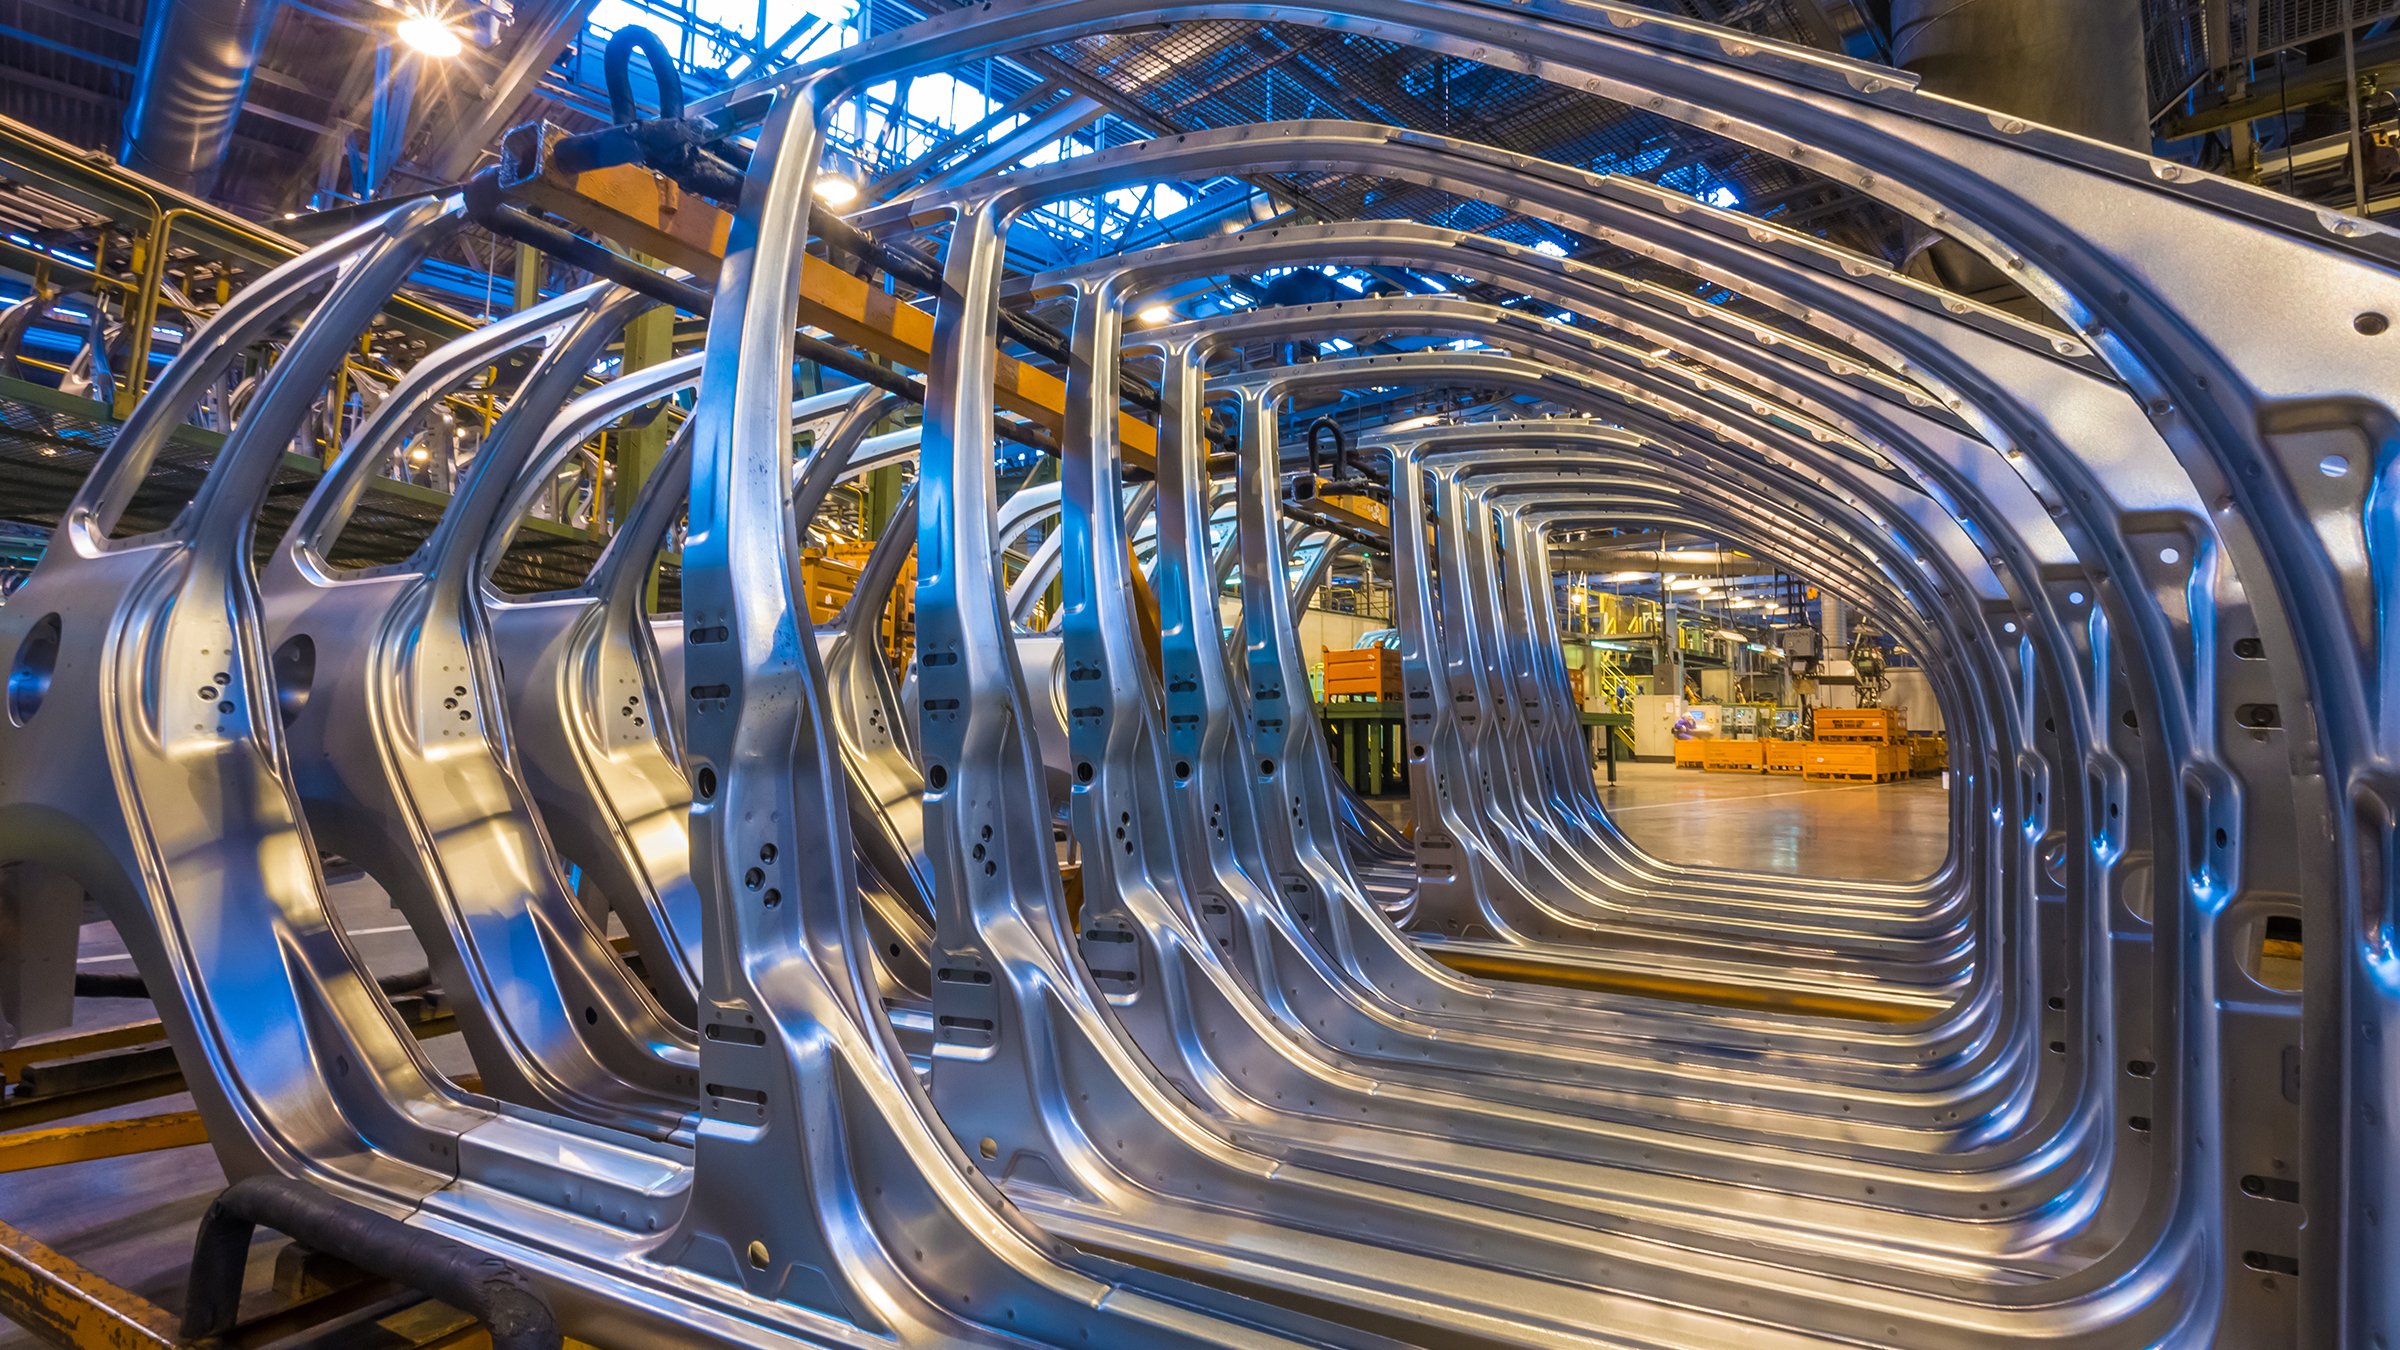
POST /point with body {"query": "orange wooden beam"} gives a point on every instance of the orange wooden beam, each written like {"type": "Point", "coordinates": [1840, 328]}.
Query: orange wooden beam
{"type": "Point", "coordinates": [645, 212]}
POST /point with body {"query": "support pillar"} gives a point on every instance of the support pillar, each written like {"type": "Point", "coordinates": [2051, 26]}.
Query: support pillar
{"type": "Point", "coordinates": [41, 918]}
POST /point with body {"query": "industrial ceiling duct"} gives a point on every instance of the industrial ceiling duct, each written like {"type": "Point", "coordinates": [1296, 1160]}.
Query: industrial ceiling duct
{"type": "Point", "coordinates": [197, 56]}
{"type": "Point", "coordinates": [2075, 64]}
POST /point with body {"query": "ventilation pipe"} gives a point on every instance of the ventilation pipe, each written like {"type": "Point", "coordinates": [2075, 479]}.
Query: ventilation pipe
{"type": "Point", "coordinates": [2075, 64]}
{"type": "Point", "coordinates": [197, 56]}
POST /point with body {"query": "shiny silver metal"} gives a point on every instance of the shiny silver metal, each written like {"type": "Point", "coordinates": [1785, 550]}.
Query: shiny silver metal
{"type": "Point", "coordinates": [399, 747]}
{"type": "Point", "coordinates": [2144, 546]}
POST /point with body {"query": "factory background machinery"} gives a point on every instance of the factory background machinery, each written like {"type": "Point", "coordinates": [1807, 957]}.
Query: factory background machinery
{"type": "Point", "coordinates": [1447, 672]}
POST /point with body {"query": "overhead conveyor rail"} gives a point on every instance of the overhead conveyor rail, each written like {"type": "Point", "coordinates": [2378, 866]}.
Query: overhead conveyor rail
{"type": "Point", "coordinates": [1046, 984]}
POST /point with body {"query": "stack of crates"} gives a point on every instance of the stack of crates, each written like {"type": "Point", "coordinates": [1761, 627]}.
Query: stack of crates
{"type": "Point", "coordinates": [1928, 752]}
{"type": "Point", "coordinates": [1858, 745]}
{"type": "Point", "coordinates": [828, 576]}
{"type": "Point", "coordinates": [828, 581]}
{"type": "Point", "coordinates": [1367, 674]}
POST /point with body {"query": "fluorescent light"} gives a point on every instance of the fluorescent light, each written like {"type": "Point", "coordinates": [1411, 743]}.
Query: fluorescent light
{"type": "Point", "coordinates": [1156, 314]}
{"type": "Point", "coordinates": [835, 190]}
{"type": "Point", "coordinates": [426, 32]}
{"type": "Point", "coordinates": [1412, 423]}
{"type": "Point", "coordinates": [1733, 635]}
{"type": "Point", "coordinates": [419, 455]}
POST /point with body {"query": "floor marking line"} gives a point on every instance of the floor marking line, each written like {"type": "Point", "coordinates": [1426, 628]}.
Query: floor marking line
{"type": "Point", "coordinates": [353, 932]}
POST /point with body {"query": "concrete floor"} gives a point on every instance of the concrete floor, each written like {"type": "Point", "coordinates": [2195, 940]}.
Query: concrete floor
{"type": "Point", "coordinates": [132, 1219]}
{"type": "Point", "coordinates": [1754, 822]}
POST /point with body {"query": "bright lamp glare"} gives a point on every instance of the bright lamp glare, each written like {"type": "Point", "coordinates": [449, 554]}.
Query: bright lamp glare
{"type": "Point", "coordinates": [835, 190]}
{"type": "Point", "coordinates": [428, 34]}
{"type": "Point", "coordinates": [1157, 314]}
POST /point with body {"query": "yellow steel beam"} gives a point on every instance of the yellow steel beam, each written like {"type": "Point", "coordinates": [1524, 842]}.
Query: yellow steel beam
{"type": "Point", "coordinates": [67, 1306]}
{"type": "Point", "coordinates": [645, 212]}
{"type": "Point", "coordinates": [1489, 965]}
{"type": "Point", "coordinates": [1364, 514]}
{"type": "Point", "coordinates": [24, 1150]}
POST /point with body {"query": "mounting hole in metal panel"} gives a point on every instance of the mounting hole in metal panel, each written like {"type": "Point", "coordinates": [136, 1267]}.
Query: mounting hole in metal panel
{"type": "Point", "coordinates": [29, 674]}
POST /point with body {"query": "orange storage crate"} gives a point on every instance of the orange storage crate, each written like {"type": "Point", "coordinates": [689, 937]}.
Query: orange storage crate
{"type": "Point", "coordinates": [1367, 673]}
{"type": "Point", "coordinates": [1786, 757]}
{"type": "Point", "coordinates": [1854, 763]}
{"type": "Point", "coordinates": [1862, 726]}
{"type": "Point", "coordinates": [1733, 756]}
{"type": "Point", "coordinates": [1691, 754]}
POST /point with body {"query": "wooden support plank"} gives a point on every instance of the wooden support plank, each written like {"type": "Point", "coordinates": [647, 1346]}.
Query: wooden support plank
{"type": "Point", "coordinates": [17, 1058]}
{"type": "Point", "coordinates": [24, 1150]}
{"type": "Point", "coordinates": [113, 1067]}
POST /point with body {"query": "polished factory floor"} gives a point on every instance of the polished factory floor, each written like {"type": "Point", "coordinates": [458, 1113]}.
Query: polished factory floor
{"type": "Point", "coordinates": [1753, 822]}
{"type": "Point", "coordinates": [1757, 823]}
{"type": "Point", "coordinates": [132, 1219]}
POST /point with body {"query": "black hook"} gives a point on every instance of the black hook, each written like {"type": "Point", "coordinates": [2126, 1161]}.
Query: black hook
{"type": "Point", "coordinates": [1341, 448]}
{"type": "Point", "coordinates": [617, 62]}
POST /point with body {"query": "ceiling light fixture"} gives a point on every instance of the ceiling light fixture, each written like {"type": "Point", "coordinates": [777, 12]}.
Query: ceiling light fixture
{"type": "Point", "coordinates": [1157, 314]}
{"type": "Point", "coordinates": [426, 32]}
{"type": "Point", "coordinates": [835, 190]}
